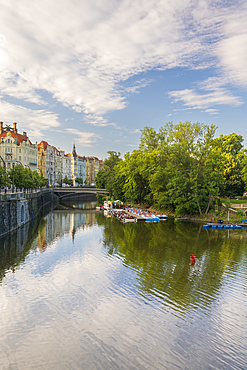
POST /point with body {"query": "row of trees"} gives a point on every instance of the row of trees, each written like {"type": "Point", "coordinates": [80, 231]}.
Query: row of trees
{"type": "Point", "coordinates": [28, 179]}
{"type": "Point", "coordinates": [182, 167]}
{"type": "Point", "coordinates": [78, 180]}
{"type": "Point", "coordinates": [23, 177]}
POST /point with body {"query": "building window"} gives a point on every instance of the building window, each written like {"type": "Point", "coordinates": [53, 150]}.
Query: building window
{"type": "Point", "coordinates": [19, 150]}
{"type": "Point", "coordinates": [20, 158]}
{"type": "Point", "coordinates": [8, 141]}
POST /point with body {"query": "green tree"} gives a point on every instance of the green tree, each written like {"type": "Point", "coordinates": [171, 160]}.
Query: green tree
{"type": "Point", "coordinates": [132, 178]}
{"type": "Point", "coordinates": [231, 147]}
{"type": "Point", "coordinates": [79, 180]}
{"type": "Point", "coordinates": [67, 181]}
{"type": "Point", "coordinates": [42, 181]}
{"type": "Point", "coordinates": [19, 175]}
{"type": "Point", "coordinates": [101, 178]}
{"type": "Point", "coordinates": [106, 176]}
{"type": "Point", "coordinates": [178, 168]}
{"type": "Point", "coordinates": [29, 179]}
{"type": "Point", "coordinates": [26, 178]}
{"type": "Point", "coordinates": [4, 178]}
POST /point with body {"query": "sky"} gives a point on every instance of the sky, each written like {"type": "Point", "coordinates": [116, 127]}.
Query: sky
{"type": "Point", "coordinates": [95, 73]}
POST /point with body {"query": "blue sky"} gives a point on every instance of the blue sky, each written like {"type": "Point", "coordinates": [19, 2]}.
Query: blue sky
{"type": "Point", "coordinates": [97, 72]}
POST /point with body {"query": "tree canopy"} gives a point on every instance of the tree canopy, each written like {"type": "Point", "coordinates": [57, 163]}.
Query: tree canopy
{"type": "Point", "coordinates": [182, 167]}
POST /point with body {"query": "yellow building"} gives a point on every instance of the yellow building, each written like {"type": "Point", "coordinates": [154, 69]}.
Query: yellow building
{"type": "Point", "coordinates": [47, 162]}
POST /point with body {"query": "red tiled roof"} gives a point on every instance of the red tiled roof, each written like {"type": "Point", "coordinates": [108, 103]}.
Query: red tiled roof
{"type": "Point", "coordinates": [45, 144]}
{"type": "Point", "coordinates": [20, 138]}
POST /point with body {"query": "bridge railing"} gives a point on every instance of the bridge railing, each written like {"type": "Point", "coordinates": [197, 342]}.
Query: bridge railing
{"type": "Point", "coordinates": [22, 194]}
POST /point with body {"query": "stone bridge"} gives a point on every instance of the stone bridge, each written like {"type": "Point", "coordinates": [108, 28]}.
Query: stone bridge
{"type": "Point", "coordinates": [64, 192]}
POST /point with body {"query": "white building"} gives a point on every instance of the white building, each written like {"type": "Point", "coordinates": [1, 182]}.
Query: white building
{"type": "Point", "coordinates": [66, 165]}
{"type": "Point", "coordinates": [77, 166]}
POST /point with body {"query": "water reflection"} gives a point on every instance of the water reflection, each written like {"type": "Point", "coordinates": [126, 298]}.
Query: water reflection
{"type": "Point", "coordinates": [160, 254]}
{"type": "Point", "coordinates": [41, 233]}
{"type": "Point", "coordinates": [15, 246]}
{"type": "Point", "coordinates": [88, 292]}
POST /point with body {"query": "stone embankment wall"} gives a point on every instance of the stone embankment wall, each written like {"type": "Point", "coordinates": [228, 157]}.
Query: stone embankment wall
{"type": "Point", "coordinates": [16, 212]}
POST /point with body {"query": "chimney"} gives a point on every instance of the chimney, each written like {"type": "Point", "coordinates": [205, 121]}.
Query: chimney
{"type": "Point", "coordinates": [1, 127]}
{"type": "Point", "coordinates": [15, 127]}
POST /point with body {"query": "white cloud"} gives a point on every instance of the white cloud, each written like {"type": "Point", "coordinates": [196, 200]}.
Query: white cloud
{"type": "Point", "coordinates": [201, 101]}
{"type": "Point", "coordinates": [212, 111]}
{"type": "Point", "coordinates": [138, 85]}
{"type": "Point", "coordinates": [232, 48]}
{"type": "Point", "coordinates": [33, 121]}
{"type": "Point", "coordinates": [135, 131]}
{"type": "Point", "coordinates": [80, 52]}
{"type": "Point", "coordinates": [83, 138]}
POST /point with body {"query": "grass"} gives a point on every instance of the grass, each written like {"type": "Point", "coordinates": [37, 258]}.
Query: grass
{"type": "Point", "coordinates": [234, 201]}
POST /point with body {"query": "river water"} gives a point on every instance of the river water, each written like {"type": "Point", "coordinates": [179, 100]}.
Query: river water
{"type": "Point", "coordinates": [87, 292]}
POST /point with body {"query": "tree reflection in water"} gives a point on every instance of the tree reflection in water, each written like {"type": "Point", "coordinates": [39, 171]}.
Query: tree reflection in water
{"type": "Point", "coordinates": [160, 255]}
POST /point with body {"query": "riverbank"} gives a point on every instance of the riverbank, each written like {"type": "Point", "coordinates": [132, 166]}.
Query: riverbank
{"type": "Point", "coordinates": [220, 213]}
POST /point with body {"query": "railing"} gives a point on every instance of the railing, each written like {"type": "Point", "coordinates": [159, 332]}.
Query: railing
{"type": "Point", "coordinates": [239, 205]}
{"type": "Point", "coordinates": [21, 193]}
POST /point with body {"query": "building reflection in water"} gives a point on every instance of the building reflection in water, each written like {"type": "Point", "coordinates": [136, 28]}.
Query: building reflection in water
{"type": "Point", "coordinates": [59, 223]}
{"type": "Point", "coordinates": [41, 234]}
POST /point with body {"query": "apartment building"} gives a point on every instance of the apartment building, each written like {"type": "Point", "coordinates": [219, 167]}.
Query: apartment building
{"type": "Point", "coordinates": [17, 148]}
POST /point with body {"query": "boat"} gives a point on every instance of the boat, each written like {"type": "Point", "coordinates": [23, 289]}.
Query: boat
{"type": "Point", "coordinates": [125, 220]}
{"type": "Point", "coordinates": [222, 226]}
{"type": "Point", "coordinates": [122, 215]}
{"type": "Point", "coordinates": [162, 217]}
{"type": "Point", "coordinates": [181, 219]}
{"type": "Point", "coordinates": [107, 204]}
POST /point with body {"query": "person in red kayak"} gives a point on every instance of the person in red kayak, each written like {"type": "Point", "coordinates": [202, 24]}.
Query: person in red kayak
{"type": "Point", "coordinates": [192, 258]}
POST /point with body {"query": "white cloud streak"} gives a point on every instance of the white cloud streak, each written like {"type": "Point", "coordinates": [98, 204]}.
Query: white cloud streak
{"type": "Point", "coordinates": [191, 98]}
{"type": "Point", "coordinates": [83, 138]}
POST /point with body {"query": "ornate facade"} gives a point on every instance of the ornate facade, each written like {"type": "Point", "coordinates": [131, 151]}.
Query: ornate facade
{"type": "Point", "coordinates": [46, 162]}
{"type": "Point", "coordinates": [46, 159]}
{"type": "Point", "coordinates": [17, 148]}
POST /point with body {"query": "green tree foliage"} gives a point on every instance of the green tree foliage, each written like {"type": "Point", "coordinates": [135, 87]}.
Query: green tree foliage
{"type": "Point", "coordinates": [234, 158]}
{"type": "Point", "coordinates": [4, 178]}
{"type": "Point", "coordinates": [182, 167]}
{"type": "Point", "coordinates": [79, 180]}
{"type": "Point", "coordinates": [244, 164]}
{"type": "Point", "coordinates": [26, 178]}
{"type": "Point", "coordinates": [106, 179]}
{"type": "Point", "coordinates": [67, 181]}
{"type": "Point", "coordinates": [178, 168]}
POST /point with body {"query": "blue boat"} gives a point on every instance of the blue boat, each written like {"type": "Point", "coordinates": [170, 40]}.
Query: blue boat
{"type": "Point", "coordinates": [222, 226]}
{"type": "Point", "coordinates": [152, 219]}
{"type": "Point", "coordinates": [162, 217]}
